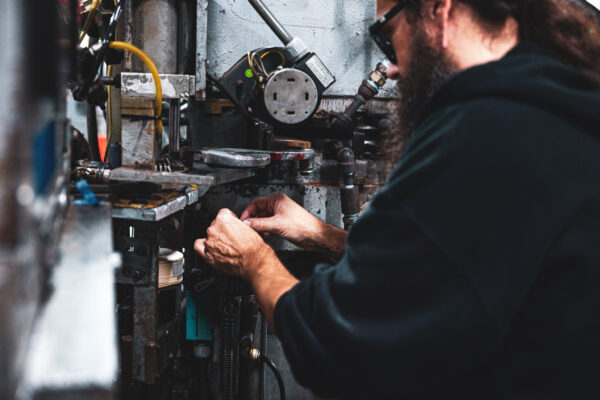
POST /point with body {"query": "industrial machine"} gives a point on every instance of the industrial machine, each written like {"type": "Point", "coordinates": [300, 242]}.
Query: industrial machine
{"type": "Point", "coordinates": [207, 104]}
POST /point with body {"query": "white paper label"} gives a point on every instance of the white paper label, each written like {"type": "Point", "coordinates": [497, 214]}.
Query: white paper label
{"type": "Point", "coordinates": [320, 71]}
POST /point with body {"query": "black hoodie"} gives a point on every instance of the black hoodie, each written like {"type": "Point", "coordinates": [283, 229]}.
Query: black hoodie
{"type": "Point", "coordinates": [475, 272]}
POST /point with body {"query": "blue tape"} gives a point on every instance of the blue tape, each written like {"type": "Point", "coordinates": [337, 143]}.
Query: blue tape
{"type": "Point", "coordinates": [89, 198]}
{"type": "Point", "coordinates": [44, 157]}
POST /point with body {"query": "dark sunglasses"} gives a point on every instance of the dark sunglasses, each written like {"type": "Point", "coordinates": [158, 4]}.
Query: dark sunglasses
{"type": "Point", "coordinates": [380, 38]}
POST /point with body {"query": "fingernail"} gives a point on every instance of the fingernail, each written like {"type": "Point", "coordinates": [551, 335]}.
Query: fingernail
{"type": "Point", "coordinates": [247, 222]}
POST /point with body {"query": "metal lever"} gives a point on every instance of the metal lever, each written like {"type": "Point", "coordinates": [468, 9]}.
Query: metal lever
{"type": "Point", "coordinates": [273, 23]}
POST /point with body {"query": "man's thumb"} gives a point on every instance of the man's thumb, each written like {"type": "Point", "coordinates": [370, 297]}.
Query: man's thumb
{"type": "Point", "coordinates": [262, 225]}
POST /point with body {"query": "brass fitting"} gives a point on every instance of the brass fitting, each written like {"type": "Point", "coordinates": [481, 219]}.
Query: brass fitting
{"type": "Point", "coordinates": [253, 354]}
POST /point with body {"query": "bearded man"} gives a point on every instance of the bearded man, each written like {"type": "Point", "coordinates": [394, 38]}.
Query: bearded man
{"type": "Point", "coordinates": [474, 273]}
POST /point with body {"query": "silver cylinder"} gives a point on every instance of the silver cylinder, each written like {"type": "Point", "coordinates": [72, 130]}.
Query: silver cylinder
{"type": "Point", "coordinates": [270, 19]}
{"type": "Point", "coordinates": [155, 32]}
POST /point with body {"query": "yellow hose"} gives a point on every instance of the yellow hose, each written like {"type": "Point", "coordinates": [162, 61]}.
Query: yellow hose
{"type": "Point", "coordinates": [157, 84]}
{"type": "Point", "coordinates": [89, 20]}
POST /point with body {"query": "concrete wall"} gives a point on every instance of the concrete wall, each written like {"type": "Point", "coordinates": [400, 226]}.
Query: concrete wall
{"type": "Point", "coordinates": [336, 30]}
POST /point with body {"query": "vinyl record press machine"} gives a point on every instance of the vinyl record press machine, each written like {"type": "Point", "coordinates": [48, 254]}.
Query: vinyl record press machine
{"type": "Point", "coordinates": [208, 104]}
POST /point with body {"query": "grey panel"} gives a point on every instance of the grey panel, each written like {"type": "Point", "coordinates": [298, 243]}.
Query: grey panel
{"type": "Point", "coordinates": [73, 351]}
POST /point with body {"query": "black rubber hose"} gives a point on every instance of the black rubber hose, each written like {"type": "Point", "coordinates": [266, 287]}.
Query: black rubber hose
{"type": "Point", "coordinates": [278, 376]}
{"type": "Point", "coordinates": [263, 348]}
{"type": "Point", "coordinates": [92, 128]}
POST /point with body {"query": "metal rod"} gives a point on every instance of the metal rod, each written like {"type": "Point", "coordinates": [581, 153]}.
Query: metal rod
{"type": "Point", "coordinates": [270, 19]}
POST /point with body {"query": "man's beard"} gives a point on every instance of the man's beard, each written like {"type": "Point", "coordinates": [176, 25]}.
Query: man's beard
{"type": "Point", "coordinates": [428, 69]}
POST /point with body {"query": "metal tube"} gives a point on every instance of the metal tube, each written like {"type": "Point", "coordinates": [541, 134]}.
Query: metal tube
{"type": "Point", "coordinates": [174, 125]}
{"type": "Point", "coordinates": [270, 19]}
{"type": "Point", "coordinates": [155, 32]}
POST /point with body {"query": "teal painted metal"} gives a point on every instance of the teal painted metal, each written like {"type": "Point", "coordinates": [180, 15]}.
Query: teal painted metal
{"type": "Point", "coordinates": [199, 316]}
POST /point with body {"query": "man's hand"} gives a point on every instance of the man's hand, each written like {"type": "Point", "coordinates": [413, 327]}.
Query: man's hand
{"type": "Point", "coordinates": [279, 215]}
{"type": "Point", "coordinates": [233, 247]}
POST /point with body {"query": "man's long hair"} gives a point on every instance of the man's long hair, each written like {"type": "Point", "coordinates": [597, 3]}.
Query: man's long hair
{"type": "Point", "coordinates": [569, 30]}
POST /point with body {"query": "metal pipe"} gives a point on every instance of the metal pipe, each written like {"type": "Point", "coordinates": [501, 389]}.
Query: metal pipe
{"type": "Point", "coordinates": [349, 193]}
{"type": "Point", "coordinates": [174, 127]}
{"type": "Point", "coordinates": [155, 32]}
{"type": "Point", "coordinates": [270, 19]}
{"type": "Point", "coordinates": [367, 90]}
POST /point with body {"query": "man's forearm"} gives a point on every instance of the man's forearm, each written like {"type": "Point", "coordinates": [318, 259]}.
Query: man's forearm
{"type": "Point", "coordinates": [327, 239]}
{"type": "Point", "coordinates": [270, 280]}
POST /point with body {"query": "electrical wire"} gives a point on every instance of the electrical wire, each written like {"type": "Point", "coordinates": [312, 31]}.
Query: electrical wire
{"type": "Point", "coordinates": [278, 376]}
{"type": "Point", "coordinates": [276, 52]}
{"type": "Point", "coordinates": [262, 71]}
{"type": "Point", "coordinates": [258, 66]}
{"type": "Point", "coordinates": [89, 20]}
{"type": "Point", "coordinates": [157, 84]}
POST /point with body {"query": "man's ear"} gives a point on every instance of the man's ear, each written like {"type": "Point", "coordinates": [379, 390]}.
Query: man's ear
{"type": "Point", "coordinates": [440, 11]}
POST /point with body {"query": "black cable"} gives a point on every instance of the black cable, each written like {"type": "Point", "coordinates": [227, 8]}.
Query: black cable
{"type": "Point", "coordinates": [263, 347]}
{"type": "Point", "coordinates": [278, 376]}
{"type": "Point", "coordinates": [92, 130]}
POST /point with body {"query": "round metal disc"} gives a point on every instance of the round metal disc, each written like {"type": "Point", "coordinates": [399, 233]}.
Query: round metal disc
{"type": "Point", "coordinates": [238, 158]}
{"type": "Point", "coordinates": [291, 96]}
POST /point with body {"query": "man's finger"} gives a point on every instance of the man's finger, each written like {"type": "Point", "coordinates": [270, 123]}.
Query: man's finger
{"type": "Point", "coordinates": [258, 207]}
{"type": "Point", "coordinates": [200, 247]}
{"type": "Point", "coordinates": [250, 211]}
{"type": "Point", "coordinates": [263, 225]}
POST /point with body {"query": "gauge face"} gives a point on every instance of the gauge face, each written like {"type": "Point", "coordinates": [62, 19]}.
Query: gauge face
{"type": "Point", "coordinates": [291, 96]}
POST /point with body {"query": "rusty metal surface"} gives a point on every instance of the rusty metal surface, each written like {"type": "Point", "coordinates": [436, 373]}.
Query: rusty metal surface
{"type": "Point", "coordinates": [138, 242]}
{"type": "Point", "coordinates": [145, 319]}
{"type": "Point", "coordinates": [203, 177]}
{"type": "Point", "coordinates": [157, 213]}
{"type": "Point", "coordinates": [140, 143]}
{"type": "Point", "coordinates": [142, 85]}
{"type": "Point", "coordinates": [325, 172]}
{"type": "Point", "coordinates": [155, 207]}
{"type": "Point", "coordinates": [287, 143]}
{"type": "Point", "coordinates": [201, 48]}
{"type": "Point", "coordinates": [375, 106]}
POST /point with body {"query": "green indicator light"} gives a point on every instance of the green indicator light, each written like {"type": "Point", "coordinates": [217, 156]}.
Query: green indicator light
{"type": "Point", "coordinates": [249, 73]}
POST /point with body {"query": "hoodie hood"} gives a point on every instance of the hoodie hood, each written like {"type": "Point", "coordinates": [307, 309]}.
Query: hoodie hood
{"type": "Point", "coordinates": [527, 74]}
